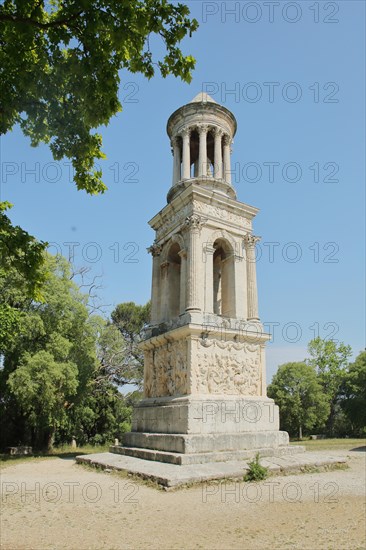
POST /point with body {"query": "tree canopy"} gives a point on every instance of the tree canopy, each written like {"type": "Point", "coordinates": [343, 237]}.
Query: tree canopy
{"type": "Point", "coordinates": [63, 366]}
{"type": "Point", "coordinates": [330, 360]}
{"type": "Point", "coordinates": [324, 392]}
{"type": "Point", "coordinates": [130, 318]}
{"type": "Point", "coordinates": [51, 356]}
{"type": "Point", "coordinates": [299, 395]}
{"type": "Point", "coordinates": [354, 402]}
{"type": "Point", "coordinates": [22, 274]}
{"type": "Point", "coordinates": [60, 66]}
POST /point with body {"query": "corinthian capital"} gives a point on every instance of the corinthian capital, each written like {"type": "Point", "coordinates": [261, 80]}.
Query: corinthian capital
{"type": "Point", "coordinates": [203, 128]}
{"type": "Point", "coordinates": [227, 139]}
{"type": "Point", "coordinates": [218, 131]}
{"type": "Point", "coordinates": [251, 240]}
{"type": "Point", "coordinates": [175, 142]}
{"type": "Point", "coordinates": [194, 222]}
{"type": "Point", "coordinates": [155, 249]}
{"type": "Point", "coordinates": [186, 132]}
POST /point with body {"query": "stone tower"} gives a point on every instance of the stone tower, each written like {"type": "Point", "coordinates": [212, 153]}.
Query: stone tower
{"type": "Point", "coordinates": [204, 373]}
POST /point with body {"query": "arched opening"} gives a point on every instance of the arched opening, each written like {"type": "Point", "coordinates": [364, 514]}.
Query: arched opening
{"type": "Point", "coordinates": [194, 145]}
{"type": "Point", "coordinates": [210, 153]}
{"type": "Point", "coordinates": [223, 279]}
{"type": "Point", "coordinates": [194, 149]}
{"type": "Point", "coordinates": [174, 274]}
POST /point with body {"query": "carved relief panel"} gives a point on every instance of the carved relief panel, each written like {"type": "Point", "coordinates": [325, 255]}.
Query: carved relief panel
{"type": "Point", "coordinates": [166, 369]}
{"type": "Point", "coordinates": [227, 368]}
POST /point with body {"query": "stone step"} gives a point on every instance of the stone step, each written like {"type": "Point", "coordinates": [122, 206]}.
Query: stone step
{"type": "Point", "coordinates": [192, 443]}
{"type": "Point", "coordinates": [173, 475]}
{"type": "Point", "coordinates": [203, 458]}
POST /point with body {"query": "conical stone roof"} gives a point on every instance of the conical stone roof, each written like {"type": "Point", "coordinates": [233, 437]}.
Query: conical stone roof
{"type": "Point", "coordinates": [202, 97]}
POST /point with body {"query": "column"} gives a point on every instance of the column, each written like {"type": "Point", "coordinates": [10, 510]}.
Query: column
{"type": "Point", "coordinates": [263, 389]}
{"type": "Point", "coordinates": [202, 155]}
{"type": "Point", "coordinates": [186, 154]}
{"type": "Point", "coordinates": [228, 288]}
{"type": "Point", "coordinates": [195, 169]}
{"type": "Point", "coordinates": [176, 160]}
{"type": "Point", "coordinates": [164, 302]}
{"type": "Point", "coordinates": [227, 166]}
{"type": "Point", "coordinates": [183, 281]}
{"type": "Point", "coordinates": [240, 287]}
{"type": "Point", "coordinates": [193, 224]}
{"type": "Point", "coordinates": [155, 250]}
{"type": "Point", "coordinates": [250, 242]}
{"type": "Point", "coordinates": [218, 154]}
{"type": "Point", "coordinates": [209, 252]}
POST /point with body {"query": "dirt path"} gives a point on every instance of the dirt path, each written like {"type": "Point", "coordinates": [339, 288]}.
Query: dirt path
{"type": "Point", "coordinates": [72, 507]}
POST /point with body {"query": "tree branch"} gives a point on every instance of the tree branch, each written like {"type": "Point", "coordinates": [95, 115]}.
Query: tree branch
{"type": "Point", "coordinates": [26, 20]}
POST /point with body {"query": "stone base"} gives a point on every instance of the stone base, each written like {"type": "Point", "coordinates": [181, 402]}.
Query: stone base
{"type": "Point", "coordinates": [201, 429]}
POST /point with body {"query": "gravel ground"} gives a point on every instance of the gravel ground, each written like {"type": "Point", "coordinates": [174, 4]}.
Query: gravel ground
{"type": "Point", "coordinates": [57, 504]}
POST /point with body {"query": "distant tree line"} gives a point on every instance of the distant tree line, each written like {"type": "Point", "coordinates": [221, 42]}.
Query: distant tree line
{"type": "Point", "coordinates": [324, 394]}
{"type": "Point", "coordinates": [62, 365]}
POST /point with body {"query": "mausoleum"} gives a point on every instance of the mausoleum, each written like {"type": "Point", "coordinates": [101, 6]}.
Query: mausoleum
{"type": "Point", "coordinates": [204, 350]}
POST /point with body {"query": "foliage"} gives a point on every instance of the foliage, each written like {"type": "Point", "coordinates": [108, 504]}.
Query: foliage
{"type": "Point", "coordinates": [354, 404]}
{"type": "Point", "coordinates": [21, 251]}
{"type": "Point", "coordinates": [299, 395]}
{"type": "Point", "coordinates": [330, 360]}
{"type": "Point", "coordinates": [130, 318]}
{"type": "Point", "coordinates": [256, 471]}
{"type": "Point", "coordinates": [102, 415]}
{"type": "Point", "coordinates": [44, 387]}
{"type": "Point", "coordinates": [10, 319]}
{"type": "Point", "coordinates": [22, 275]}
{"type": "Point", "coordinates": [62, 367]}
{"type": "Point", "coordinates": [60, 64]}
{"type": "Point", "coordinates": [48, 363]}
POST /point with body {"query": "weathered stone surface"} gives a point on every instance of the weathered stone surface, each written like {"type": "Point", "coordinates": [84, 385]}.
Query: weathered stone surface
{"type": "Point", "coordinates": [20, 450]}
{"type": "Point", "coordinates": [204, 443]}
{"type": "Point", "coordinates": [206, 415]}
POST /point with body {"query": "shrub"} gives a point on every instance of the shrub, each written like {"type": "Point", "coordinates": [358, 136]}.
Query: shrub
{"type": "Point", "coordinates": [256, 471]}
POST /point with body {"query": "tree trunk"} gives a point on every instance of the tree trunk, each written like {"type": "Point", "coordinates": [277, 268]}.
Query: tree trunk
{"type": "Point", "coordinates": [50, 439]}
{"type": "Point", "coordinates": [331, 419]}
{"type": "Point", "coordinates": [300, 433]}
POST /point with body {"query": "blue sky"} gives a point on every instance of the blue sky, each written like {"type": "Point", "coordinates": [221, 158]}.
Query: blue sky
{"type": "Point", "coordinates": [295, 80]}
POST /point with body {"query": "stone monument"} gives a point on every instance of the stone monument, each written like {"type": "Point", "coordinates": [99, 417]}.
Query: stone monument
{"type": "Point", "coordinates": [204, 350]}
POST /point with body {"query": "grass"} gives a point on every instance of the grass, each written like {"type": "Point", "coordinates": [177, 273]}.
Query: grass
{"type": "Point", "coordinates": [331, 444]}
{"type": "Point", "coordinates": [66, 451]}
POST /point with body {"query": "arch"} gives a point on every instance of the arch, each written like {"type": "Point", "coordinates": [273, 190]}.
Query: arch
{"type": "Point", "coordinates": [230, 244]}
{"type": "Point", "coordinates": [223, 278]}
{"type": "Point", "coordinates": [176, 238]}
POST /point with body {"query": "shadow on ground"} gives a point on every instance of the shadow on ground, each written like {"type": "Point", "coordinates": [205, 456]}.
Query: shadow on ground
{"type": "Point", "coordinates": [65, 455]}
